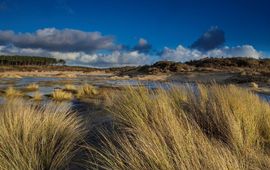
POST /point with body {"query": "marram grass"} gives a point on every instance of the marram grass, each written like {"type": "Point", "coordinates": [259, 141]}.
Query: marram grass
{"type": "Point", "coordinates": [11, 92]}
{"type": "Point", "coordinates": [61, 95]}
{"type": "Point", "coordinates": [70, 87]}
{"type": "Point", "coordinates": [87, 90]}
{"type": "Point", "coordinates": [209, 127]}
{"type": "Point", "coordinates": [32, 87]}
{"type": "Point", "coordinates": [38, 138]}
{"type": "Point", "coordinates": [37, 96]}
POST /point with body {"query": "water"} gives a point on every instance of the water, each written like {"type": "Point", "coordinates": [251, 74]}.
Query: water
{"type": "Point", "coordinates": [265, 97]}
{"type": "Point", "coordinates": [48, 84]}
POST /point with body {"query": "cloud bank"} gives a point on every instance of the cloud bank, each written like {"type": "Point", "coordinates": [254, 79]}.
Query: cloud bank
{"type": "Point", "coordinates": [182, 54]}
{"type": "Point", "coordinates": [66, 40]}
{"type": "Point", "coordinates": [96, 50]}
{"type": "Point", "coordinates": [114, 59]}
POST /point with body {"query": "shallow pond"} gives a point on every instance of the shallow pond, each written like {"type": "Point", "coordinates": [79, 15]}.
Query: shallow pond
{"type": "Point", "coordinates": [48, 84]}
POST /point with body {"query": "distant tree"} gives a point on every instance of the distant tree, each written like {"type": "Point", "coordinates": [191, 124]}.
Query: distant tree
{"type": "Point", "coordinates": [62, 62]}
{"type": "Point", "coordinates": [29, 60]}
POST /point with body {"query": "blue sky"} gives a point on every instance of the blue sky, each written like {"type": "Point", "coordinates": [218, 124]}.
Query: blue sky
{"type": "Point", "coordinates": [143, 30]}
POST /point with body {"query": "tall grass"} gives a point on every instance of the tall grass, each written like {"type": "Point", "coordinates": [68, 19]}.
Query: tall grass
{"type": "Point", "coordinates": [37, 96]}
{"type": "Point", "coordinates": [11, 92]}
{"type": "Point", "coordinates": [32, 87]}
{"type": "Point", "coordinates": [36, 138]}
{"type": "Point", "coordinates": [70, 87]}
{"type": "Point", "coordinates": [209, 127]}
{"type": "Point", "coordinates": [60, 95]}
{"type": "Point", "coordinates": [86, 90]}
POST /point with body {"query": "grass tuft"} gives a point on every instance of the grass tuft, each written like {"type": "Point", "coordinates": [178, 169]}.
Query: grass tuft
{"type": "Point", "coordinates": [38, 137]}
{"type": "Point", "coordinates": [70, 87]}
{"type": "Point", "coordinates": [37, 96]}
{"type": "Point", "coordinates": [203, 127]}
{"type": "Point", "coordinates": [11, 92]}
{"type": "Point", "coordinates": [87, 90]}
{"type": "Point", "coordinates": [32, 87]}
{"type": "Point", "coordinates": [60, 95]}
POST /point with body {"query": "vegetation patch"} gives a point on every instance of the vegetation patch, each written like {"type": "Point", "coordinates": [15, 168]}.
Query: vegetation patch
{"type": "Point", "coordinates": [32, 87]}
{"type": "Point", "coordinates": [11, 76]}
{"type": "Point", "coordinates": [36, 138]}
{"type": "Point", "coordinates": [61, 95]}
{"type": "Point", "coordinates": [87, 90]}
{"type": "Point", "coordinates": [70, 87]}
{"type": "Point", "coordinates": [37, 96]}
{"type": "Point", "coordinates": [207, 127]}
{"type": "Point", "coordinates": [12, 92]}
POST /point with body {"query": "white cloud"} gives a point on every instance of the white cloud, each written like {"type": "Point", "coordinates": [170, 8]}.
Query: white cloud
{"type": "Point", "coordinates": [238, 51]}
{"type": "Point", "coordinates": [115, 58]}
{"type": "Point", "coordinates": [183, 54]}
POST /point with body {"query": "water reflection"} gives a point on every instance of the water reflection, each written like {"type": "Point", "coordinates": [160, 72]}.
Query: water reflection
{"type": "Point", "coordinates": [48, 84]}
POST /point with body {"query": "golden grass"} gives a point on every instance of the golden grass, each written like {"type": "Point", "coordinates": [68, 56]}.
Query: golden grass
{"type": "Point", "coordinates": [254, 85]}
{"type": "Point", "coordinates": [11, 92]}
{"type": "Point", "coordinates": [37, 96]}
{"type": "Point", "coordinates": [32, 87]}
{"type": "Point", "coordinates": [60, 95]}
{"type": "Point", "coordinates": [209, 127]}
{"type": "Point", "coordinates": [70, 87]}
{"type": "Point", "coordinates": [11, 76]}
{"type": "Point", "coordinates": [87, 90]}
{"type": "Point", "coordinates": [36, 138]}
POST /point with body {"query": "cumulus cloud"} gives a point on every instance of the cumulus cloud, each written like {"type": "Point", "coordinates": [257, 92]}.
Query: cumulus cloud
{"type": "Point", "coordinates": [113, 59]}
{"type": "Point", "coordinates": [238, 51]}
{"type": "Point", "coordinates": [143, 46]}
{"type": "Point", "coordinates": [211, 39]}
{"type": "Point", "coordinates": [182, 54]}
{"type": "Point", "coordinates": [66, 40]}
{"type": "Point", "coordinates": [13, 50]}
{"type": "Point", "coordinates": [118, 58]}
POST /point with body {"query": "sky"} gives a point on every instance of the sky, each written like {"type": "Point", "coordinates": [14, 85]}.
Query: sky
{"type": "Point", "coordinates": [107, 33]}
